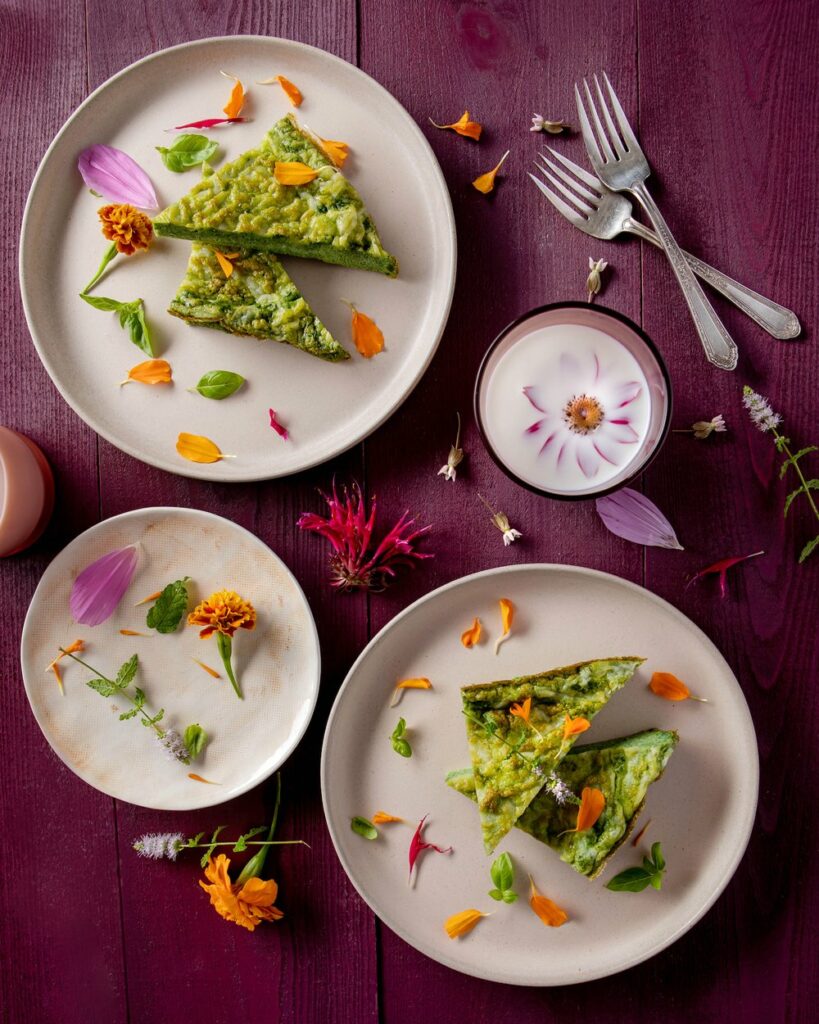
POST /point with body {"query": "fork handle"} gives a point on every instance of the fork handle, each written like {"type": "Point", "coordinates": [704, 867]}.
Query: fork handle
{"type": "Point", "coordinates": [717, 342]}
{"type": "Point", "coordinates": [777, 320]}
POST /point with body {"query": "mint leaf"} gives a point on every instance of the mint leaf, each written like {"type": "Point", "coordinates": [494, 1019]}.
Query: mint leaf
{"type": "Point", "coordinates": [104, 687]}
{"type": "Point", "coordinates": [219, 384]}
{"type": "Point", "coordinates": [630, 880]}
{"type": "Point", "coordinates": [187, 151]}
{"type": "Point", "coordinates": [364, 828]}
{"type": "Point", "coordinates": [399, 744]}
{"type": "Point", "coordinates": [211, 846]}
{"type": "Point", "coordinates": [127, 672]}
{"type": "Point", "coordinates": [165, 615]}
{"type": "Point", "coordinates": [808, 548]}
{"type": "Point", "coordinates": [195, 739]}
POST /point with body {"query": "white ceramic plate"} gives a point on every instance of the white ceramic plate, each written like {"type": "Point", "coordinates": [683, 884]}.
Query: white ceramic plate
{"type": "Point", "coordinates": [327, 407]}
{"type": "Point", "coordinates": [278, 663]}
{"type": "Point", "coordinates": [701, 810]}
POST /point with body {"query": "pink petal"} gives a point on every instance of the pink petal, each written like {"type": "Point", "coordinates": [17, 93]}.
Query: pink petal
{"type": "Point", "coordinates": [208, 122]}
{"type": "Point", "coordinates": [535, 427]}
{"type": "Point", "coordinates": [99, 588]}
{"type": "Point", "coordinates": [586, 460]}
{"type": "Point", "coordinates": [630, 515]}
{"type": "Point", "coordinates": [605, 455]}
{"type": "Point", "coordinates": [532, 394]}
{"type": "Point", "coordinates": [626, 394]}
{"type": "Point", "coordinates": [596, 368]}
{"type": "Point", "coordinates": [274, 423]}
{"type": "Point", "coordinates": [620, 431]}
{"type": "Point", "coordinates": [547, 442]}
{"type": "Point", "coordinates": [114, 174]}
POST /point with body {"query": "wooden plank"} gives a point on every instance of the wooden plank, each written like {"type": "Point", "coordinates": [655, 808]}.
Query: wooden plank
{"type": "Point", "coordinates": [60, 921]}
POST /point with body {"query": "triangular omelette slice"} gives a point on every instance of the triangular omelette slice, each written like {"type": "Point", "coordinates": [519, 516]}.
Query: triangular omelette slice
{"type": "Point", "coordinates": [622, 769]}
{"type": "Point", "coordinates": [257, 299]}
{"type": "Point", "coordinates": [242, 206]}
{"type": "Point", "coordinates": [510, 757]}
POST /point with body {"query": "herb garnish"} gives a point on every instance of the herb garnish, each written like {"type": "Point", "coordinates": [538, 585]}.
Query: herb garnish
{"type": "Point", "coordinates": [195, 739]}
{"type": "Point", "coordinates": [171, 605]}
{"type": "Point", "coordinates": [399, 743]}
{"type": "Point", "coordinates": [131, 318]}
{"type": "Point", "coordinates": [187, 151]}
{"type": "Point", "coordinates": [218, 384]}
{"type": "Point", "coordinates": [503, 878]}
{"type": "Point", "coordinates": [637, 879]}
{"type": "Point", "coordinates": [364, 828]}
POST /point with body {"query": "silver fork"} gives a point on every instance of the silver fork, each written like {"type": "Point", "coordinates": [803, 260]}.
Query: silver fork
{"type": "Point", "coordinates": [619, 162]}
{"type": "Point", "coordinates": [601, 213]}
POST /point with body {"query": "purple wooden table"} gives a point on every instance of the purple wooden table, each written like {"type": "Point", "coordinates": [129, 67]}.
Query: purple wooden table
{"type": "Point", "coordinates": [723, 94]}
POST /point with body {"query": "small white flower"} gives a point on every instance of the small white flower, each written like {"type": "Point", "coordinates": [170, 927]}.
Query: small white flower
{"type": "Point", "coordinates": [537, 123]}
{"type": "Point", "coordinates": [558, 789]}
{"type": "Point", "coordinates": [704, 428]}
{"type": "Point", "coordinates": [760, 410]}
{"type": "Point", "coordinates": [174, 746]}
{"type": "Point", "coordinates": [594, 281]}
{"type": "Point", "coordinates": [542, 124]}
{"type": "Point", "coordinates": [455, 457]}
{"type": "Point", "coordinates": [510, 536]}
{"type": "Point", "coordinates": [448, 471]}
{"type": "Point", "coordinates": [156, 845]}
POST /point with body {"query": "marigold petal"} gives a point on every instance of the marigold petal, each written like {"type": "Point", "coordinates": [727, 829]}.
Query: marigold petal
{"type": "Point", "coordinates": [132, 632]}
{"type": "Point", "coordinates": [462, 923]}
{"type": "Point", "coordinates": [292, 92]}
{"type": "Point", "coordinates": [152, 371]}
{"type": "Point", "coordinates": [234, 105]}
{"type": "Point", "coordinates": [224, 263]}
{"type": "Point", "coordinates": [486, 182]}
{"type": "Point", "coordinates": [293, 172]}
{"type": "Point", "coordinates": [367, 336]}
{"type": "Point", "coordinates": [463, 126]}
{"type": "Point", "coordinates": [665, 685]}
{"type": "Point", "coordinates": [547, 910]}
{"type": "Point", "coordinates": [337, 151]}
{"type": "Point", "coordinates": [472, 636]}
{"type": "Point", "coordinates": [420, 683]}
{"type": "Point", "coordinates": [382, 818]}
{"type": "Point", "coordinates": [592, 803]}
{"type": "Point", "coordinates": [196, 448]}
{"type": "Point", "coordinates": [574, 726]}
{"type": "Point", "coordinates": [210, 671]}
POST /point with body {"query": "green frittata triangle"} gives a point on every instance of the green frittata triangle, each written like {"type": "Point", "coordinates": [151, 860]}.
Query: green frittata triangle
{"type": "Point", "coordinates": [511, 758]}
{"type": "Point", "coordinates": [258, 299]}
{"type": "Point", "coordinates": [622, 769]}
{"type": "Point", "coordinates": [242, 206]}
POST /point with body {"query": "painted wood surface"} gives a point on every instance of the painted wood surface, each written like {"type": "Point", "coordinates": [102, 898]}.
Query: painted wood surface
{"type": "Point", "coordinates": [726, 99]}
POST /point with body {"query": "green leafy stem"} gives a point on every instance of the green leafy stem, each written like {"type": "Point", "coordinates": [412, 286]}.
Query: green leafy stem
{"type": "Point", "coordinates": [636, 879]}
{"type": "Point", "coordinates": [805, 486]}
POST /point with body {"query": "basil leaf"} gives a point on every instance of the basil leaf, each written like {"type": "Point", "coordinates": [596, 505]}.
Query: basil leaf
{"type": "Point", "coordinates": [399, 744]}
{"type": "Point", "coordinates": [127, 672]}
{"type": "Point", "coordinates": [630, 880]}
{"type": "Point", "coordinates": [496, 894]}
{"type": "Point", "coordinates": [509, 896]}
{"type": "Point", "coordinates": [657, 856]}
{"type": "Point", "coordinates": [219, 384]}
{"type": "Point", "coordinates": [195, 739]}
{"type": "Point", "coordinates": [132, 317]}
{"type": "Point", "coordinates": [187, 151]}
{"type": "Point", "coordinates": [165, 615]}
{"type": "Point", "coordinates": [101, 302]}
{"type": "Point", "coordinates": [503, 872]}
{"type": "Point", "coordinates": [364, 828]}
{"type": "Point", "coordinates": [657, 880]}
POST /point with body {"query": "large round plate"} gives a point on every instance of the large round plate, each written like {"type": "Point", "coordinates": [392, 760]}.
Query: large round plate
{"type": "Point", "coordinates": [278, 663]}
{"type": "Point", "coordinates": [701, 810]}
{"type": "Point", "coordinates": [327, 407]}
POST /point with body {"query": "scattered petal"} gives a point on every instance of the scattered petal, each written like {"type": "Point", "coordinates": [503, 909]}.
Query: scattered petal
{"type": "Point", "coordinates": [594, 282]}
{"type": "Point", "coordinates": [462, 923]}
{"type": "Point", "coordinates": [116, 176]}
{"type": "Point", "coordinates": [418, 845]}
{"type": "Point", "coordinates": [542, 124]}
{"type": "Point", "coordinates": [665, 685]}
{"type": "Point", "coordinates": [472, 636]}
{"type": "Point", "coordinates": [486, 182]}
{"type": "Point", "coordinates": [293, 172]}
{"type": "Point", "coordinates": [592, 802]}
{"type": "Point", "coordinates": [73, 648]}
{"type": "Point", "coordinates": [208, 122]}
{"type": "Point", "coordinates": [548, 911]}
{"type": "Point", "coordinates": [507, 610]}
{"type": "Point", "coordinates": [367, 336]}
{"type": "Point", "coordinates": [337, 151]}
{"type": "Point", "coordinates": [55, 668]}
{"type": "Point", "coordinates": [574, 726]}
{"type": "Point", "coordinates": [234, 105]}
{"type": "Point", "coordinates": [99, 588]}
{"type": "Point", "coordinates": [198, 778]}
{"type": "Point", "coordinates": [196, 448]}
{"type": "Point", "coordinates": [455, 457]}
{"type": "Point", "coordinates": [290, 90]}
{"type": "Point", "coordinates": [522, 711]}
{"type": "Point", "coordinates": [225, 262]}
{"type": "Point", "coordinates": [630, 515]}
{"type": "Point", "coordinates": [132, 632]}
{"type": "Point", "coordinates": [150, 597]}
{"type": "Point", "coordinates": [463, 126]}
{"type": "Point", "coordinates": [382, 818]}
{"type": "Point", "coordinates": [152, 371]}
{"type": "Point", "coordinates": [274, 423]}
{"type": "Point", "coordinates": [210, 671]}
{"type": "Point", "coordinates": [721, 568]}
{"type": "Point", "coordinates": [420, 683]}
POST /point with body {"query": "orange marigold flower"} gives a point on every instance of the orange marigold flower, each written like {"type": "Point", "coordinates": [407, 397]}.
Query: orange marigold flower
{"type": "Point", "coordinates": [126, 227]}
{"type": "Point", "coordinates": [245, 905]}
{"type": "Point", "coordinates": [523, 710]}
{"type": "Point", "coordinates": [223, 612]}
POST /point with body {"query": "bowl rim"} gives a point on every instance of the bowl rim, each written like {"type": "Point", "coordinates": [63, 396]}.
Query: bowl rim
{"type": "Point", "coordinates": [606, 311]}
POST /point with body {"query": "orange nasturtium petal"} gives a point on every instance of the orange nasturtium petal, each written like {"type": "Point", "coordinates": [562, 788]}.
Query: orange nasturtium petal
{"type": "Point", "coordinates": [523, 710]}
{"type": "Point", "coordinates": [592, 802]}
{"type": "Point", "coordinates": [671, 688]}
{"type": "Point", "coordinates": [574, 726]}
{"type": "Point", "coordinates": [382, 818]}
{"type": "Point", "coordinates": [293, 172]}
{"type": "Point", "coordinates": [291, 91]}
{"type": "Point", "coordinates": [55, 668]}
{"type": "Point", "coordinates": [234, 105]}
{"type": "Point", "coordinates": [507, 610]}
{"type": "Point", "coordinates": [367, 336]}
{"type": "Point", "coordinates": [210, 671]}
{"type": "Point", "coordinates": [150, 597]}
{"type": "Point", "coordinates": [463, 126]}
{"type": "Point", "coordinates": [486, 182]}
{"type": "Point", "coordinates": [420, 683]}
{"type": "Point", "coordinates": [198, 778]}
{"type": "Point", "coordinates": [224, 260]}
{"type": "Point", "coordinates": [196, 448]}
{"type": "Point", "coordinates": [471, 636]}
{"type": "Point", "coordinates": [152, 371]}
{"type": "Point", "coordinates": [336, 150]}
{"type": "Point", "coordinates": [462, 923]}
{"type": "Point", "coordinates": [132, 632]}
{"type": "Point", "coordinates": [547, 910]}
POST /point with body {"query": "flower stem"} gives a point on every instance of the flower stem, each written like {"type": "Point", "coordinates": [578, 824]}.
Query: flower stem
{"type": "Point", "coordinates": [225, 646]}
{"type": "Point", "coordinates": [782, 445]}
{"type": "Point", "coordinates": [254, 866]}
{"type": "Point", "coordinates": [110, 253]}
{"type": "Point", "coordinates": [267, 842]}
{"type": "Point", "coordinates": [121, 692]}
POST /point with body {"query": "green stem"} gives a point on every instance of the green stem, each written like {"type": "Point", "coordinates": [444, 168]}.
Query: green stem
{"type": "Point", "coordinates": [225, 645]}
{"type": "Point", "coordinates": [268, 842]}
{"type": "Point", "coordinates": [474, 718]}
{"type": "Point", "coordinates": [783, 446]}
{"type": "Point", "coordinates": [254, 866]}
{"type": "Point", "coordinates": [121, 692]}
{"type": "Point", "coordinates": [110, 253]}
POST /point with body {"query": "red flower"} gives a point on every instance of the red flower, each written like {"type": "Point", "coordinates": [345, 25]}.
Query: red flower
{"type": "Point", "coordinates": [357, 561]}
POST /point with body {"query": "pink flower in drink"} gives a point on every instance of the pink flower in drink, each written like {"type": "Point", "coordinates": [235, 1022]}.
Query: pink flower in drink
{"type": "Point", "coordinates": [584, 415]}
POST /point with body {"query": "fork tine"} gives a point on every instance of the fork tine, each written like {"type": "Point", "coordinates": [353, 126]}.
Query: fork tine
{"type": "Point", "coordinates": [629, 138]}
{"type": "Point", "coordinates": [567, 211]}
{"type": "Point", "coordinates": [571, 196]}
{"type": "Point", "coordinates": [614, 136]}
{"type": "Point", "coordinates": [586, 129]}
{"type": "Point", "coordinates": [601, 132]}
{"type": "Point", "coordinates": [594, 198]}
{"type": "Point", "coordinates": [581, 172]}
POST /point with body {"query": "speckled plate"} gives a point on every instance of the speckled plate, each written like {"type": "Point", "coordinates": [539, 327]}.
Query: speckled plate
{"type": "Point", "coordinates": [327, 407]}
{"type": "Point", "coordinates": [278, 663]}
{"type": "Point", "coordinates": [701, 810]}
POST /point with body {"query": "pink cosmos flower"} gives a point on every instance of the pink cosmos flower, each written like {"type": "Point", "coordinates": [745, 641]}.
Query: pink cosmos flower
{"type": "Point", "coordinates": [584, 415]}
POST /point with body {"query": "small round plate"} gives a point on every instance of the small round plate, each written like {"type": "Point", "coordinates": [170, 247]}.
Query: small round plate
{"type": "Point", "coordinates": [702, 809]}
{"type": "Point", "coordinates": [327, 407]}
{"type": "Point", "coordinates": [277, 663]}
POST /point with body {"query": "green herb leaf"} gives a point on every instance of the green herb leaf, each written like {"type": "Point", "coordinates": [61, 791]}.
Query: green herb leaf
{"type": "Point", "coordinates": [101, 302]}
{"type": "Point", "coordinates": [808, 548]}
{"type": "Point", "coordinates": [219, 384]}
{"type": "Point", "coordinates": [496, 894]}
{"type": "Point", "coordinates": [503, 872]}
{"type": "Point", "coordinates": [241, 842]}
{"type": "Point", "coordinates": [166, 614]}
{"type": "Point", "coordinates": [657, 857]}
{"type": "Point", "coordinates": [195, 739]}
{"type": "Point", "coordinates": [187, 151]}
{"type": "Point", "coordinates": [127, 672]}
{"type": "Point", "coordinates": [104, 687]}
{"type": "Point", "coordinates": [364, 828]}
{"type": "Point", "coordinates": [139, 698]}
{"type": "Point", "coordinates": [795, 458]}
{"type": "Point", "coordinates": [509, 896]}
{"type": "Point", "coordinates": [97, 194]}
{"type": "Point", "coordinates": [128, 714]}
{"type": "Point", "coordinates": [132, 318]}
{"type": "Point", "coordinates": [212, 846]}
{"type": "Point", "coordinates": [399, 744]}
{"type": "Point", "coordinates": [630, 880]}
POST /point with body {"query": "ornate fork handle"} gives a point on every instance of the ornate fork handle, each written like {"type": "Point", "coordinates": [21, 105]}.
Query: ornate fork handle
{"type": "Point", "coordinates": [777, 320]}
{"type": "Point", "coordinates": [717, 342]}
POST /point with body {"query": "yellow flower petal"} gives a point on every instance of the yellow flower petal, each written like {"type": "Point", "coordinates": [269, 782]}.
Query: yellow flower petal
{"type": "Point", "coordinates": [224, 263]}
{"type": "Point", "coordinates": [548, 911]}
{"type": "Point", "coordinates": [382, 818]}
{"type": "Point", "coordinates": [132, 632]}
{"type": "Point", "coordinates": [336, 150]}
{"type": "Point", "coordinates": [574, 726]}
{"type": "Point", "coordinates": [472, 636]}
{"type": "Point", "coordinates": [152, 371]}
{"type": "Point", "coordinates": [486, 182]}
{"type": "Point", "coordinates": [291, 91]}
{"type": "Point", "coordinates": [367, 336]}
{"type": "Point", "coordinates": [234, 105]}
{"type": "Point", "coordinates": [463, 126]}
{"type": "Point", "coordinates": [293, 172]}
{"type": "Point", "coordinates": [196, 448]}
{"type": "Point", "coordinates": [462, 923]}
{"type": "Point", "coordinates": [409, 684]}
{"type": "Point", "coordinates": [592, 803]}
{"type": "Point", "coordinates": [210, 671]}
{"type": "Point", "coordinates": [507, 610]}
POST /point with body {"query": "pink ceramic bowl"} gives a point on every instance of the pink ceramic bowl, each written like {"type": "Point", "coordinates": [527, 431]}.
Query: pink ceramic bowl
{"type": "Point", "coordinates": [26, 492]}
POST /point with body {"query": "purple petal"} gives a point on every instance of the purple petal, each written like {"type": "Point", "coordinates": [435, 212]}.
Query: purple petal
{"type": "Point", "coordinates": [630, 515]}
{"type": "Point", "coordinates": [531, 393]}
{"type": "Point", "coordinates": [535, 427]}
{"type": "Point", "coordinates": [118, 177]}
{"type": "Point", "coordinates": [99, 588]}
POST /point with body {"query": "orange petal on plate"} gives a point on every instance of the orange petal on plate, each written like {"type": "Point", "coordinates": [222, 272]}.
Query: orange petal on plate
{"type": "Point", "coordinates": [409, 684]}
{"type": "Point", "coordinates": [234, 105]}
{"type": "Point", "coordinates": [507, 610]}
{"type": "Point", "coordinates": [486, 182]}
{"type": "Point", "coordinates": [463, 126]}
{"type": "Point", "coordinates": [55, 668]}
{"type": "Point", "coordinates": [547, 910]}
{"type": "Point", "coordinates": [293, 172]}
{"type": "Point", "coordinates": [462, 923]}
{"type": "Point", "coordinates": [523, 710]}
{"type": "Point", "coordinates": [471, 636]}
{"type": "Point", "coordinates": [150, 597]}
{"type": "Point", "coordinates": [292, 92]}
{"type": "Point", "coordinates": [152, 371]}
{"type": "Point", "coordinates": [671, 688]}
{"type": "Point", "coordinates": [382, 818]}
{"type": "Point", "coordinates": [210, 671]}
{"type": "Point", "coordinates": [367, 336]}
{"type": "Point", "coordinates": [198, 778]}
{"type": "Point", "coordinates": [132, 632]}
{"type": "Point", "coordinates": [196, 448]}
{"type": "Point", "coordinates": [336, 150]}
